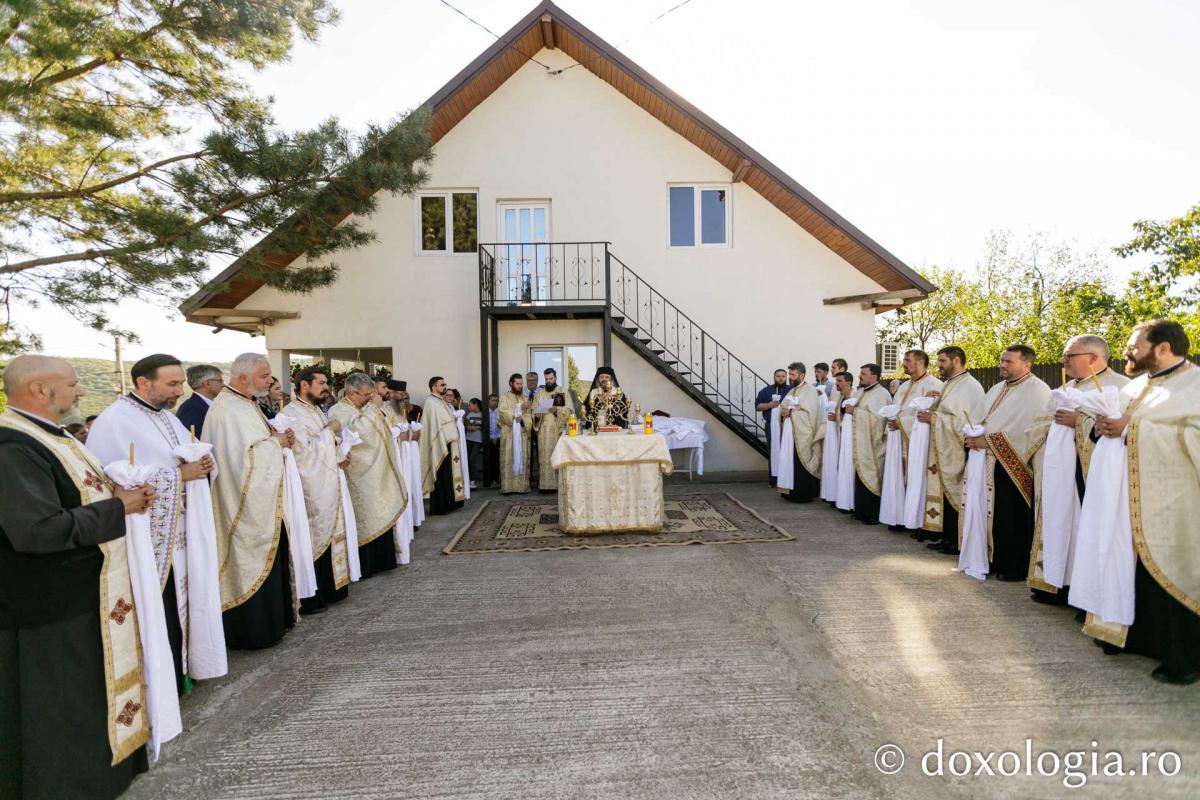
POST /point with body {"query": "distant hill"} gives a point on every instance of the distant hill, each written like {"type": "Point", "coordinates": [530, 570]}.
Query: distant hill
{"type": "Point", "coordinates": [99, 378]}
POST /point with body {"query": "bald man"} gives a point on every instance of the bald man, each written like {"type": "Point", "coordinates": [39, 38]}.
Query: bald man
{"type": "Point", "coordinates": [72, 703]}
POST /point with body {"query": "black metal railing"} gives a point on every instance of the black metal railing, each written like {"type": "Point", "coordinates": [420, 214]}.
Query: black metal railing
{"type": "Point", "coordinates": [687, 348]}
{"type": "Point", "coordinates": [587, 273]}
{"type": "Point", "coordinates": [542, 273]}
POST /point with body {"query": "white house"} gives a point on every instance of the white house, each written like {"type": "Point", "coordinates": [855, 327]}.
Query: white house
{"type": "Point", "coordinates": [611, 221]}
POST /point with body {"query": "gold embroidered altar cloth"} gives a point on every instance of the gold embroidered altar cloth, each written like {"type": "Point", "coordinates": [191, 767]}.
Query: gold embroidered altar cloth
{"type": "Point", "coordinates": [611, 482]}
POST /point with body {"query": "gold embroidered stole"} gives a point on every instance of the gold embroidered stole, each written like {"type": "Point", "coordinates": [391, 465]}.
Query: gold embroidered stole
{"type": "Point", "coordinates": [128, 725]}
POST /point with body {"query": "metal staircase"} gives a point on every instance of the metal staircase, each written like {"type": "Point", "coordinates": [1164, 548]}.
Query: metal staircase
{"type": "Point", "coordinates": [586, 280]}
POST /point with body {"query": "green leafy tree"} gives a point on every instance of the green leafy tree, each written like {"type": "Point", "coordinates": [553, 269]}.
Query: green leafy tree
{"type": "Point", "coordinates": [1170, 286]}
{"type": "Point", "coordinates": [132, 154]}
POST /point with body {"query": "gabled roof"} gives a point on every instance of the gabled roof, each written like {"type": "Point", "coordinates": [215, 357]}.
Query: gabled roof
{"type": "Point", "coordinates": [549, 26]}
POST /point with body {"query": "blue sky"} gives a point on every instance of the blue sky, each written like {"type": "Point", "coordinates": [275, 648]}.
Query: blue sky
{"type": "Point", "coordinates": [926, 123]}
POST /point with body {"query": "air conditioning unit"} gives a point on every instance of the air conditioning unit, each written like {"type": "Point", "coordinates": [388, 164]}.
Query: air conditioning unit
{"type": "Point", "coordinates": [887, 355]}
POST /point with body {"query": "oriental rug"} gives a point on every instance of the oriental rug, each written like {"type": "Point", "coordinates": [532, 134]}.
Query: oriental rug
{"type": "Point", "coordinates": [527, 524]}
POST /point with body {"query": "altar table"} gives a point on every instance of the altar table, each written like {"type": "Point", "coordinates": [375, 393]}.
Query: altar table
{"type": "Point", "coordinates": [611, 482]}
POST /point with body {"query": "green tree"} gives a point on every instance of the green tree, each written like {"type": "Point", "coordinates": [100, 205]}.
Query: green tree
{"type": "Point", "coordinates": [1170, 286]}
{"type": "Point", "coordinates": [106, 192]}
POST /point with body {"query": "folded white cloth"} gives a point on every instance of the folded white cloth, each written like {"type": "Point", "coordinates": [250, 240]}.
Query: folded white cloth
{"type": "Point", "coordinates": [829, 454]}
{"type": "Point", "coordinates": [973, 558]}
{"type": "Point", "coordinates": [415, 489]}
{"type": "Point", "coordinates": [158, 665]}
{"type": "Point", "coordinates": [518, 453]}
{"type": "Point", "coordinates": [918, 462]}
{"type": "Point", "coordinates": [295, 517]}
{"type": "Point", "coordinates": [785, 477]}
{"type": "Point", "coordinates": [206, 654]}
{"type": "Point", "coordinates": [891, 494]}
{"type": "Point", "coordinates": [1059, 498]}
{"type": "Point", "coordinates": [1102, 579]}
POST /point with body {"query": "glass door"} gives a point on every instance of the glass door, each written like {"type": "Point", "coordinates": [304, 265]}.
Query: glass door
{"type": "Point", "coordinates": [523, 268]}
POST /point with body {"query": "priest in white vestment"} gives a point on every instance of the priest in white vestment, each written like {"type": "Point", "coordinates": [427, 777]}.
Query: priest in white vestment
{"type": "Point", "coordinates": [334, 538]}
{"type": "Point", "coordinates": [377, 487]}
{"type": "Point", "coordinates": [870, 441]}
{"type": "Point", "coordinates": [1056, 508]}
{"type": "Point", "coordinates": [516, 426]}
{"type": "Point", "coordinates": [185, 555]}
{"type": "Point", "coordinates": [441, 464]}
{"type": "Point", "coordinates": [257, 589]}
{"type": "Point", "coordinates": [803, 414]}
{"type": "Point", "coordinates": [548, 425]}
{"type": "Point", "coordinates": [919, 384]}
{"type": "Point", "coordinates": [1015, 414]}
{"type": "Point", "coordinates": [947, 463]}
{"type": "Point", "coordinates": [1161, 427]}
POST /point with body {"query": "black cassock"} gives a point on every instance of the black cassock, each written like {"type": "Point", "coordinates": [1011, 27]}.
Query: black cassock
{"type": "Point", "coordinates": [263, 619]}
{"type": "Point", "coordinates": [53, 700]}
{"type": "Point", "coordinates": [804, 486]}
{"type": "Point", "coordinates": [441, 498]}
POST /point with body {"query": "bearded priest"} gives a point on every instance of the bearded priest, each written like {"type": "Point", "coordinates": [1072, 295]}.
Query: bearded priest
{"type": "Point", "coordinates": [1161, 426]}
{"type": "Point", "coordinates": [186, 558]}
{"type": "Point", "coordinates": [870, 442]}
{"type": "Point", "coordinates": [257, 590]}
{"type": "Point", "coordinates": [549, 425]}
{"type": "Point", "coordinates": [316, 452]}
{"type": "Point", "coordinates": [376, 484]}
{"type": "Point", "coordinates": [441, 464]}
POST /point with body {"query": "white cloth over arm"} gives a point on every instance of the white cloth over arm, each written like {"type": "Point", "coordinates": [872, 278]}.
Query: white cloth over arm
{"type": "Point", "coordinates": [774, 426]}
{"type": "Point", "coordinates": [973, 558]}
{"type": "Point", "coordinates": [785, 472]}
{"type": "Point", "coordinates": [416, 497]}
{"type": "Point", "coordinates": [348, 440]}
{"type": "Point", "coordinates": [918, 461]}
{"type": "Point", "coordinates": [1059, 499]}
{"type": "Point", "coordinates": [518, 443]}
{"type": "Point", "coordinates": [845, 475]}
{"type": "Point", "coordinates": [295, 516]}
{"type": "Point", "coordinates": [462, 453]}
{"type": "Point", "coordinates": [829, 455]}
{"type": "Point", "coordinates": [1105, 561]}
{"type": "Point", "coordinates": [159, 665]}
{"type": "Point", "coordinates": [207, 657]}
{"type": "Point", "coordinates": [404, 525]}
{"type": "Point", "coordinates": [891, 495]}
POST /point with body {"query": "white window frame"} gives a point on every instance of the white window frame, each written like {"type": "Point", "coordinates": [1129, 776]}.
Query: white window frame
{"type": "Point", "coordinates": [448, 197]}
{"type": "Point", "coordinates": [696, 213]}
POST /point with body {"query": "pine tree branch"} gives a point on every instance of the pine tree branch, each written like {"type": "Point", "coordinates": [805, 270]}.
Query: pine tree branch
{"type": "Point", "coordinates": [156, 243]}
{"type": "Point", "coordinates": [89, 66]}
{"type": "Point", "coordinates": [80, 192]}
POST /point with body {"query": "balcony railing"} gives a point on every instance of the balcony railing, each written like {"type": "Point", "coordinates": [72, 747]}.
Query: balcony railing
{"type": "Point", "coordinates": [543, 273]}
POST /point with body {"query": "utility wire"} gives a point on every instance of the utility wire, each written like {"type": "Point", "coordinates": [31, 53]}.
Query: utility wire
{"type": "Point", "coordinates": [494, 35]}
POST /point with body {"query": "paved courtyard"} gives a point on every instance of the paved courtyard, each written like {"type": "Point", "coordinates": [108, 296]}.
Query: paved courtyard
{"type": "Point", "coordinates": [750, 671]}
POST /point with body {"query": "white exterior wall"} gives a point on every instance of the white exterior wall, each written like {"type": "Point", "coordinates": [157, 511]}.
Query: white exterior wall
{"type": "Point", "coordinates": [604, 164]}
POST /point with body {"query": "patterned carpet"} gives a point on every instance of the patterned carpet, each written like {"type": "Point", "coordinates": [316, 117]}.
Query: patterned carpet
{"type": "Point", "coordinates": [529, 524]}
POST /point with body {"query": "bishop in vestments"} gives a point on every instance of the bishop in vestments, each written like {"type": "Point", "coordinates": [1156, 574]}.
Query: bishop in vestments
{"type": "Point", "coordinates": [516, 421]}
{"type": "Point", "coordinates": [441, 464]}
{"type": "Point", "coordinates": [257, 589]}
{"type": "Point", "coordinates": [550, 425]}
{"type": "Point", "coordinates": [377, 488]}
{"type": "Point", "coordinates": [318, 461]}
{"type": "Point", "coordinates": [1161, 426]}
{"type": "Point", "coordinates": [805, 409]}
{"type": "Point", "coordinates": [947, 467]}
{"type": "Point", "coordinates": [73, 719]}
{"type": "Point", "coordinates": [1015, 414]}
{"type": "Point", "coordinates": [870, 442]}
{"type": "Point", "coordinates": [186, 559]}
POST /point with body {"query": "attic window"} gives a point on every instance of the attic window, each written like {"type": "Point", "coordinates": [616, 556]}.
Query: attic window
{"type": "Point", "coordinates": [698, 215]}
{"type": "Point", "coordinates": [447, 222]}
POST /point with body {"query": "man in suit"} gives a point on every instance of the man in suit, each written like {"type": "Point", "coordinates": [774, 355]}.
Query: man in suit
{"type": "Point", "coordinates": [206, 382]}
